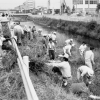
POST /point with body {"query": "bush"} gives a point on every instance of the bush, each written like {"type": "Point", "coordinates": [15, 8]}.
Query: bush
{"type": "Point", "coordinates": [9, 60]}
{"type": "Point", "coordinates": [81, 30]}
{"type": "Point", "coordinates": [91, 25]}
{"type": "Point", "coordinates": [37, 66]}
{"type": "Point", "coordinates": [5, 29]}
{"type": "Point", "coordinates": [90, 29]}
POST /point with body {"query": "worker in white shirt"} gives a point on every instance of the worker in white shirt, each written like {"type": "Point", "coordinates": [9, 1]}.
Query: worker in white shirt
{"type": "Point", "coordinates": [51, 49]}
{"type": "Point", "coordinates": [82, 48]}
{"type": "Point", "coordinates": [53, 36]}
{"type": "Point", "coordinates": [40, 32]}
{"type": "Point", "coordinates": [1, 42]}
{"type": "Point", "coordinates": [85, 71]}
{"type": "Point", "coordinates": [18, 31]}
{"type": "Point", "coordinates": [67, 49]}
{"type": "Point", "coordinates": [89, 57]}
{"type": "Point", "coordinates": [65, 69]}
{"type": "Point", "coordinates": [69, 41]}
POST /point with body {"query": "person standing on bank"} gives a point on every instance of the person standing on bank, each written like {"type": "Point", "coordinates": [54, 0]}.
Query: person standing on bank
{"type": "Point", "coordinates": [18, 31]}
{"type": "Point", "coordinates": [33, 31]}
{"type": "Point", "coordinates": [51, 49]}
{"type": "Point", "coordinates": [82, 49]}
{"type": "Point", "coordinates": [89, 57]}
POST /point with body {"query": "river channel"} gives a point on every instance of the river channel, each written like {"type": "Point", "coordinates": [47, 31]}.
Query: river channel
{"type": "Point", "coordinates": [62, 36]}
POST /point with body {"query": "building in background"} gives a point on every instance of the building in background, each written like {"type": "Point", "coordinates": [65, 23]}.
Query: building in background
{"type": "Point", "coordinates": [27, 6]}
{"type": "Point", "coordinates": [85, 5]}
{"type": "Point", "coordinates": [60, 5]}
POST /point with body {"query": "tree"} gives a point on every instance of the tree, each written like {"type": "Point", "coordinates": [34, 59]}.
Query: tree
{"type": "Point", "coordinates": [98, 8]}
{"type": "Point", "coordinates": [73, 10]}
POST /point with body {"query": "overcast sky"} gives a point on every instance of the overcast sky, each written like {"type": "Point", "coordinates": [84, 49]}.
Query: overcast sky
{"type": "Point", "coordinates": [6, 4]}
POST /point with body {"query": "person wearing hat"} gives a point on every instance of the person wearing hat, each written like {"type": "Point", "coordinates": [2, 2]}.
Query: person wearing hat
{"type": "Point", "coordinates": [40, 32]}
{"type": "Point", "coordinates": [84, 73]}
{"type": "Point", "coordinates": [82, 49]}
{"type": "Point", "coordinates": [69, 41]}
{"type": "Point", "coordinates": [68, 46]}
{"type": "Point", "coordinates": [67, 49]}
{"type": "Point", "coordinates": [65, 69]}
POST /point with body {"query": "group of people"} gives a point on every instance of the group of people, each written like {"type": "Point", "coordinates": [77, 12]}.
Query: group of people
{"type": "Point", "coordinates": [85, 73]}
{"type": "Point", "coordinates": [85, 51]}
{"type": "Point", "coordinates": [49, 41]}
{"type": "Point", "coordinates": [22, 32]}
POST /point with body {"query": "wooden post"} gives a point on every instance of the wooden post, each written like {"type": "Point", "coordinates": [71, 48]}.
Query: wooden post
{"type": "Point", "coordinates": [30, 91]}
{"type": "Point", "coordinates": [26, 62]}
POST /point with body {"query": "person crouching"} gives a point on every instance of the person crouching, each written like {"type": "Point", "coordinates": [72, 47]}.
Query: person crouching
{"type": "Point", "coordinates": [65, 69]}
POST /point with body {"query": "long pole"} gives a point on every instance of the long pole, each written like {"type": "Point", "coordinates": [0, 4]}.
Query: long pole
{"type": "Point", "coordinates": [88, 4]}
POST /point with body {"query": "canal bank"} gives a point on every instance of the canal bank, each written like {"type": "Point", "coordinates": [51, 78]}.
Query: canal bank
{"type": "Point", "coordinates": [84, 26]}
{"type": "Point", "coordinates": [75, 62]}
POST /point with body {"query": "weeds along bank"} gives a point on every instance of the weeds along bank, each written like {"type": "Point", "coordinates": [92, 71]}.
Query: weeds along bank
{"type": "Point", "coordinates": [89, 29]}
{"type": "Point", "coordinates": [46, 83]}
{"type": "Point", "coordinates": [45, 80]}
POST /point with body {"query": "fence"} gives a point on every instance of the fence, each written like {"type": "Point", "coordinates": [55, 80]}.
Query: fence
{"type": "Point", "coordinates": [23, 65]}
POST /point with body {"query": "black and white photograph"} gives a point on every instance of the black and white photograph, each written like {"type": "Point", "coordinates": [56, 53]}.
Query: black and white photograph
{"type": "Point", "coordinates": [49, 49]}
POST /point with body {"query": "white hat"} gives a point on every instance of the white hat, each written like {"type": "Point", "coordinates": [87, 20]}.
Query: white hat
{"type": "Point", "coordinates": [71, 40]}
{"type": "Point", "coordinates": [65, 55]}
{"type": "Point", "coordinates": [44, 34]}
{"type": "Point", "coordinates": [54, 32]}
{"type": "Point", "coordinates": [40, 30]}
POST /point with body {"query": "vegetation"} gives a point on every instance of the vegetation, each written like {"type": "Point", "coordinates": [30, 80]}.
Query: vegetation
{"type": "Point", "coordinates": [47, 84]}
{"type": "Point", "coordinates": [98, 7]}
{"type": "Point", "coordinates": [89, 29]}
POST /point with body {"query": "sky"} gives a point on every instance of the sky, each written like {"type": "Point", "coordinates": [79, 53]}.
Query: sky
{"type": "Point", "coordinates": [9, 4]}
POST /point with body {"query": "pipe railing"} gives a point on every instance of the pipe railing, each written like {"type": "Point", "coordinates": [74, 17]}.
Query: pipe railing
{"type": "Point", "coordinates": [30, 91]}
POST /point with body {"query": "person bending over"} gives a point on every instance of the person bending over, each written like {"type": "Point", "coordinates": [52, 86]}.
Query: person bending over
{"type": "Point", "coordinates": [85, 73]}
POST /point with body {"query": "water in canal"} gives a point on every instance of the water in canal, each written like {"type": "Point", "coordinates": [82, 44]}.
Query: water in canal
{"type": "Point", "coordinates": [61, 36]}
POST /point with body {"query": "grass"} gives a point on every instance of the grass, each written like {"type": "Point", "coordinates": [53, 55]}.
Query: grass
{"type": "Point", "coordinates": [88, 29]}
{"type": "Point", "coordinates": [46, 83]}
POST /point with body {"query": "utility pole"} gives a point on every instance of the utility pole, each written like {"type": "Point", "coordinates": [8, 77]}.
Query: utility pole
{"type": "Point", "coordinates": [84, 7]}
{"type": "Point", "coordinates": [34, 4]}
{"type": "Point", "coordinates": [88, 4]}
{"type": "Point", "coordinates": [48, 6]}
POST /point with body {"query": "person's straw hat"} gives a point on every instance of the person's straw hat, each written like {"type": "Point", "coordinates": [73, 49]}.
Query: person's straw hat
{"type": "Point", "coordinates": [54, 33]}
{"type": "Point", "coordinates": [44, 35]}
{"type": "Point", "coordinates": [64, 56]}
{"type": "Point", "coordinates": [71, 40]}
{"type": "Point", "coordinates": [40, 30]}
